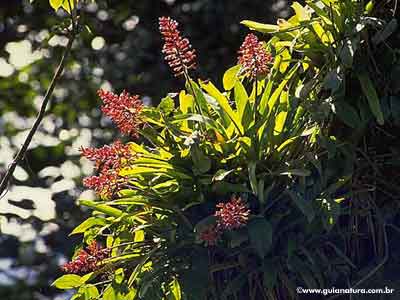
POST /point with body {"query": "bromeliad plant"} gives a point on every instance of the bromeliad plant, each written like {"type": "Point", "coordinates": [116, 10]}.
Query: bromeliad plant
{"type": "Point", "coordinates": [215, 183]}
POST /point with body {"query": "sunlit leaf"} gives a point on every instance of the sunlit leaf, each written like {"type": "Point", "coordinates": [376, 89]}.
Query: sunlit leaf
{"type": "Point", "coordinates": [230, 77]}
{"type": "Point", "coordinates": [68, 281]}
{"type": "Point", "coordinates": [175, 290]}
{"type": "Point", "coordinates": [260, 27]}
{"type": "Point", "coordinates": [88, 223]}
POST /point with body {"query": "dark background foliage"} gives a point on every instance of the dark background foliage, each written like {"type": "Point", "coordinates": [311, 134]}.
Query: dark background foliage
{"type": "Point", "coordinates": [120, 50]}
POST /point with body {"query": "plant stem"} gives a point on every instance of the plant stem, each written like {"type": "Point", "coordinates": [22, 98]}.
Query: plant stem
{"type": "Point", "coordinates": [21, 153]}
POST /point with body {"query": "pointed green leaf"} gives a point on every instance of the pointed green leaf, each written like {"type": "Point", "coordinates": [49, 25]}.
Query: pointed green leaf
{"type": "Point", "coordinates": [304, 206]}
{"type": "Point", "coordinates": [372, 97]}
{"type": "Point", "coordinates": [110, 294]}
{"type": "Point", "coordinates": [224, 103]}
{"type": "Point", "coordinates": [175, 290]}
{"type": "Point", "coordinates": [260, 233]}
{"type": "Point", "coordinates": [88, 223]}
{"type": "Point", "coordinates": [68, 281]}
{"type": "Point", "coordinates": [230, 77]}
{"type": "Point", "coordinates": [166, 105]}
{"type": "Point", "coordinates": [260, 27]}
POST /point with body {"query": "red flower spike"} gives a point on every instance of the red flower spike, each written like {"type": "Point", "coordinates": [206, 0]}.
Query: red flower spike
{"type": "Point", "coordinates": [232, 215]}
{"type": "Point", "coordinates": [107, 183]}
{"type": "Point", "coordinates": [177, 50]}
{"type": "Point", "coordinates": [124, 110]}
{"type": "Point", "coordinates": [253, 57]}
{"type": "Point", "coordinates": [87, 260]}
{"type": "Point", "coordinates": [210, 235]}
{"type": "Point", "coordinates": [114, 156]}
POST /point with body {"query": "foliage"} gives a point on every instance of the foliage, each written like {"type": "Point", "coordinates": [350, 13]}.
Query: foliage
{"type": "Point", "coordinates": [40, 210]}
{"type": "Point", "coordinates": [265, 139]}
{"type": "Point", "coordinates": [267, 184]}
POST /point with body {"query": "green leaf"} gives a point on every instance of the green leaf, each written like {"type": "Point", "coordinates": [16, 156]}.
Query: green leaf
{"type": "Point", "coordinates": [333, 80]}
{"type": "Point", "coordinates": [260, 233]}
{"type": "Point", "coordinates": [201, 162]}
{"type": "Point", "coordinates": [296, 172]}
{"type": "Point", "coordinates": [369, 91]}
{"type": "Point", "coordinates": [199, 98]}
{"type": "Point", "coordinates": [56, 4]}
{"type": "Point", "coordinates": [175, 290]}
{"type": "Point", "coordinates": [185, 102]}
{"type": "Point", "coordinates": [304, 206]}
{"type": "Point", "coordinates": [65, 4]}
{"type": "Point", "coordinates": [302, 14]}
{"type": "Point", "coordinates": [347, 114]}
{"type": "Point", "coordinates": [230, 77]}
{"type": "Point", "coordinates": [186, 105]}
{"type": "Point", "coordinates": [88, 223]}
{"type": "Point", "coordinates": [285, 60]}
{"type": "Point", "coordinates": [267, 103]}
{"type": "Point", "coordinates": [252, 177]}
{"type": "Point", "coordinates": [68, 5]}
{"type": "Point", "coordinates": [260, 27]}
{"type": "Point", "coordinates": [105, 209]}
{"type": "Point", "coordinates": [280, 122]}
{"type": "Point", "coordinates": [224, 104]}
{"type": "Point", "coordinates": [89, 291]}
{"type": "Point", "coordinates": [242, 102]}
{"type": "Point", "coordinates": [386, 32]}
{"type": "Point", "coordinates": [347, 51]}
{"type": "Point", "coordinates": [68, 281]}
{"type": "Point", "coordinates": [286, 143]}
{"type": "Point", "coordinates": [167, 105]}
{"type": "Point", "coordinates": [221, 174]}
{"type": "Point", "coordinates": [110, 294]}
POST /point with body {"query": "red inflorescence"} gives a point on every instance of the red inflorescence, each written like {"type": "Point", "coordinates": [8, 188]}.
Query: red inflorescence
{"type": "Point", "coordinates": [210, 235]}
{"type": "Point", "coordinates": [106, 183]}
{"type": "Point", "coordinates": [124, 110]}
{"type": "Point", "coordinates": [109, 161]}
{"type": "Point", "coordinates": [232, 215]}
{"type": "Point", "coordinates": [108, 157]}
{"type": "Point", "coordinates": [253, 57]}
{"type": "Point", "coordinates": [87, 260]}
{"type": "Point", "coordinates": [177, 50]}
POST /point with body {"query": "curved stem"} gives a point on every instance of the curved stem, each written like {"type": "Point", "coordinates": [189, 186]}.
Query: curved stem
{"type": "Point", "coordinates": [21, 153]}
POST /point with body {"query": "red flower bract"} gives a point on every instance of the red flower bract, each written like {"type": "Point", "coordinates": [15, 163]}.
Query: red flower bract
{"type": "Point", "coordinates": [253, 57]}
{"type": "Point", "coordinates": [177, 50]}
{"type": "Point", "coordinates": [87, 260]}
{"type": "Point", "coordinates": [106, 183]}
{"type": "Point", "coordinates": [114, 156]}
{"type": "Point", "coordinates": [124, 110]}
{"type": "Point", "coordinates": [109, 160]}
{"type": "Point", "coordinates": [232, 215]}
{"type": "Point", "coordinates": [210, 235]}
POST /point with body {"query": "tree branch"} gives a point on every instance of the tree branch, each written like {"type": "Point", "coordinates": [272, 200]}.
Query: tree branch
{"type": "Point", "coordinates": [21, 153]}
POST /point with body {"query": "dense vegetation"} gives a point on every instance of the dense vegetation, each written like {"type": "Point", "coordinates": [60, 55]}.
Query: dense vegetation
{"type": "Point", "coordinates": [280, 175]}
{"type": "Point", "coordinates": [39, 211]}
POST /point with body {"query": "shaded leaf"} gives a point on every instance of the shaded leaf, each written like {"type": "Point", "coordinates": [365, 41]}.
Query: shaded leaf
{"type": "Point", "coordinates": [304, 206]}
{"type": "Point", "coordinates": [372, 97]}
{"type": "Point", "coordinates": [260, 232]}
